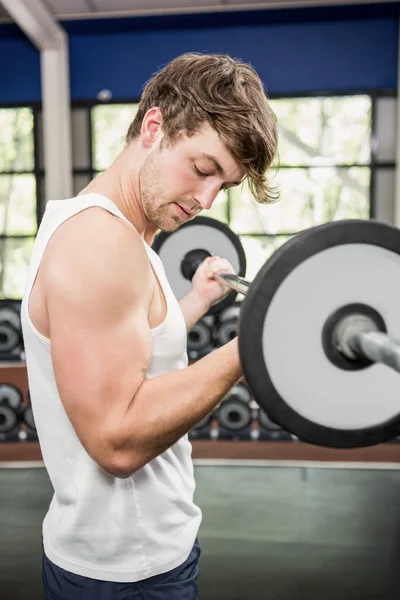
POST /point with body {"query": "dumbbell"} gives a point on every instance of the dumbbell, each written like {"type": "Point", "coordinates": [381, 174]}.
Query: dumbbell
{"type": "Point", "coordinates": [234, 414]}
{"type": "Point", "coordinates": [10, 405]}
{"type": "Point", "coordinates": [200, 338]}
{"type": "Point", "coordinates": [227, 326]}
{"type": "Point", "coordinates": [11, 343]}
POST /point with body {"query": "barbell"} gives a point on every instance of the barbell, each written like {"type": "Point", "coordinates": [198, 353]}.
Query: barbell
{"type": "Point", "coordinates": [318, 326]}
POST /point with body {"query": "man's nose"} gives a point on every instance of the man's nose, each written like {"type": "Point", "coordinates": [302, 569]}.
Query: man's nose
{"type": "Point", "coordinates": [207, 194]}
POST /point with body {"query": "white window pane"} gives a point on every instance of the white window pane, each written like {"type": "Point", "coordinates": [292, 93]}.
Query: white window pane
{"type": "Point", "coordinates": [386, 127]}
{"type": "Point", "coordinates": [15, 255]}
{"type": "Point", "coordinates": [258, 250]}
{"type": "Point", "coordinates": [18, 205]}
{"type": "Point", "coordinates": [307, 197]}
{"type": "Point", "coordinates": [110, 123]}
{"type": "Point", "coordinates": [16, 139]}
{"type": "Point", "coordinates": [323, 131]}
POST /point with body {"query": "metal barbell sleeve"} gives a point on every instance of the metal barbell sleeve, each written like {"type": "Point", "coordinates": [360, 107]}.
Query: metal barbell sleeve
{"type": "Point", "coordinates": [378, 347]}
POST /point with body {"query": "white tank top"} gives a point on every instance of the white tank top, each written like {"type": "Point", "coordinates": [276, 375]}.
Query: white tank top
{"type": "Point", "coordinates": [97, 525]}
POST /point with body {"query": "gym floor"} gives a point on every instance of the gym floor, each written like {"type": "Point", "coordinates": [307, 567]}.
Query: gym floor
{"type": "Point", "coordinates": [268, 532]}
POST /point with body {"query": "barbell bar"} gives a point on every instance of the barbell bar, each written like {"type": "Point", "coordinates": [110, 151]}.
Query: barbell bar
{"type": "Point", "coordinates": [318, 327]}
{"type": "Point", "coordinates": [235, 282]}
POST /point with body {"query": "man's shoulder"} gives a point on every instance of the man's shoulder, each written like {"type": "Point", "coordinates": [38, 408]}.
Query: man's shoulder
{"type": "Point", "coordinates": [98, 242]}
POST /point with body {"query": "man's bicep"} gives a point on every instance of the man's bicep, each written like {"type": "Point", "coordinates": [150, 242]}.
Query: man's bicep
{"type": "Point", "coordinates": [98, 365]}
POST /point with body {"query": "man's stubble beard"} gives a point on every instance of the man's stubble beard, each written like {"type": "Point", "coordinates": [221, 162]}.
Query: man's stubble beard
{"type": "Point", "coordinates": [152, 194]}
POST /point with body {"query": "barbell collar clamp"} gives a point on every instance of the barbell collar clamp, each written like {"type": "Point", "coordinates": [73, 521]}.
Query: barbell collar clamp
{"type": "Point", "coordinates": [347, 330]}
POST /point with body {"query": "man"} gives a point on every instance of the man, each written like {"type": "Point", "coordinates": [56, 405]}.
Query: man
{"type": "Point", "coordinates": [105, 338]}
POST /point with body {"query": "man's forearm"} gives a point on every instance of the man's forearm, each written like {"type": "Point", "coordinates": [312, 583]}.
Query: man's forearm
{"type": "Point", "coordinates": [193, 308]}
{"type": "Point", "coordinates": [168, 406]}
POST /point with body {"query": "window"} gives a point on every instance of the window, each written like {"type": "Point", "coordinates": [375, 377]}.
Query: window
{"type": "Point", "coordinates": [324, 169]}
{"type": "Point", "coordinates": [110, 123]}
{"type": "Point", "coordinates": [324, 174]}
{"type": "Point", "coordinates": [18, 202]}
{"type": "Point", "coordinates": [98, 134]}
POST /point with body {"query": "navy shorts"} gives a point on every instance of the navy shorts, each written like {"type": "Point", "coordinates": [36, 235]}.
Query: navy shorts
{"type": "Point", "coordinates": [178, 584]}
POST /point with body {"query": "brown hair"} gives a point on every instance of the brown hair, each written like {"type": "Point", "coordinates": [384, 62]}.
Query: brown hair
{"type": "Point", "coordinates": [228, 94]}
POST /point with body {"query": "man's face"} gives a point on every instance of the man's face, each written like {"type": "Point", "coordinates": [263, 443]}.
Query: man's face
{"type": "Point", "coordinates": [177, 182]}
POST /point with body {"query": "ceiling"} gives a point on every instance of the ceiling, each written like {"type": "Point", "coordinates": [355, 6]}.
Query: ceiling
{"type": "Point", "coordinates": [90, 9]}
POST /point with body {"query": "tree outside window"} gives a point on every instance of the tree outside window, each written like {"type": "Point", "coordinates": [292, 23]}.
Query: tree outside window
{"type": "Point", "coordinates": [18, 202]}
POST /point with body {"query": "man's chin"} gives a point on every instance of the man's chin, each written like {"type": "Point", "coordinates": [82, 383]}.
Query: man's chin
{"type": "Point", "coordinates": [169, 222]}
{"type": "Point", "coordinates": [169, 225]}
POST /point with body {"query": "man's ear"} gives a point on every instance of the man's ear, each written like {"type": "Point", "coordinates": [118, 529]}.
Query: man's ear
{"type": "Point", "coordinates": [151, 130]}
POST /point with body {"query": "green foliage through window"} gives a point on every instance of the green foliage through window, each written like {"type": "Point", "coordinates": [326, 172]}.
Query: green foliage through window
{"type": "Point", "coordinates": [110, 123]}
{"type": "Point", "coordinates": [18, 218]}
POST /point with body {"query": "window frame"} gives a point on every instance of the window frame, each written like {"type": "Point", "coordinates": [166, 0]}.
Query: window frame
{"type": "Point", "coordinates": [36, 108]}
{"type": "Point", "coordinates": [372, 165]}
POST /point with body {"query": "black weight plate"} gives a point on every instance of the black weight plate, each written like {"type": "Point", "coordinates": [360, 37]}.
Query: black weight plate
{"type": "Point", "coordinates": [280, 334]}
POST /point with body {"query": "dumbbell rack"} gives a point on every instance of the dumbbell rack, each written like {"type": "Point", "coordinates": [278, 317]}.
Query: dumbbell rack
{"type": "Point", "coordinates": [14, 373]}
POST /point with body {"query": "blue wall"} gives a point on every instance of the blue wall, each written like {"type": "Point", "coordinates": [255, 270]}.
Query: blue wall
{"type": "Point", "coordinates": [350, 51]}
{"type": "Point", "coordinates": [19, 71]}
{"type": "Point", "coordinates": [289, 57]}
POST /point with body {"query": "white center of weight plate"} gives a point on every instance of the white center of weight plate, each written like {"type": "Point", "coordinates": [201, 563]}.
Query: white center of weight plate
{"type": "Point", "coordinates": [184, 240]}
{"type": "Point", "coordinates": [292, 333]}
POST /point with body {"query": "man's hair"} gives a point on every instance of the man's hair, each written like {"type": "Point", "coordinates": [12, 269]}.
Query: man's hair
{"type": "Point", "coordinates": [228, 94]}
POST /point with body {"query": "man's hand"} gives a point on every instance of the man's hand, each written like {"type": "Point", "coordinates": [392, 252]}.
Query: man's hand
{"type": "Point", "coordinates": [208, 289]}
{"type": "Point", "coordinates": [205, 289]}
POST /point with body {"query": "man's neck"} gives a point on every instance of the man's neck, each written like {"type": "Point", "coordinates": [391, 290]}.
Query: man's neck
{"type": "Point", "coordinates": [124, 192]}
